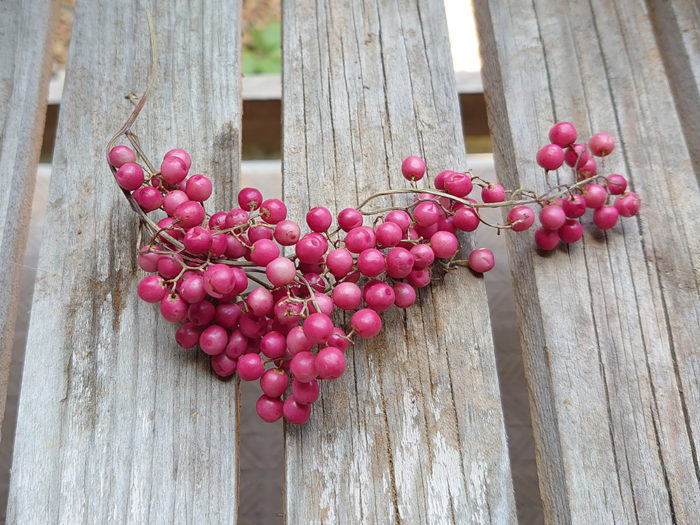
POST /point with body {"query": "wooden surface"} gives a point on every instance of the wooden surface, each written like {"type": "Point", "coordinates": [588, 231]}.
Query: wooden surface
{"type": "Point", "coordinates": [609, 326]}
{"type": "Point", "coordinates": [116, 423]}
{"type": "Point", "coordinates": [413, 432]}
{"type": "Point", "coordinates": [25, 33]}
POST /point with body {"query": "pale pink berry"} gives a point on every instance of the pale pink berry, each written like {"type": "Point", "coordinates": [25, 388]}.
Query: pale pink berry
{"type": "Point", "coordinates": [404, 295]}
{"type": "Point", "coordinates": [187, 336]}
{"type": "Point", "coordinates": [280, 271]}
{"type": "Point", "coordinates": [605, 217]}
{"type": "Point", "coordinates": [339, 262]}
{"type": "Point", "coordinates": [303, 367]}
{"type": "Point", "coordinates": [269, 409]}
{"type": "Point", "coordinates": [571, 231]}
{"type": "Point", "coordinates": [297, 341]}
{"type": "Point", "coordinates": [595, 195]}
{"type": "Point", "coordinates": [574, 206]}
{"type": "Point", "coordinates": [550, 157]}
{"type": "Point", "coordinates": [330, 363]}
{"type": "Point", "coordinates": [287, 233]}
{"type": "Point", "coordinates": [213, 340]}
{"type": "Point", "coordinates": [198, 188]}
{"type": "Point", "coordinates": [481, 260]}
{"type": "Point", "coordinates": [152, 288]}
{"type": "Point", "coordinates": [601, 144]}
{"type": "Point", "coordinates": [260, 301]}
{"type": "Point", "coordinates": [552, 217]}
{"type": "Point", "coordinates": [295, 412]}
{"type": "Point", "coordinates": [173, 199]}
{"type": "Point", "coordinates": [617, 184]}
{"type": "Point", "coordinates": [400, 218]}
{"type": "Point", "coordinates": [130, 176]}
{"type": "Point", "coordinates": [274, 382]}
{"type": "Point", "coordinates": [444, 244]}
{"type": "Point", "coordinates": [273, 211]}
{"type": "Point", "coordinates": [588, 169]}
{"type": "Point", "coordinates": [366, 323]}
{"type": "Point", "coordinates": [349, 218]}
{"type": "Point", "coordinates": [521, 217]}
{"type": "Point", "coordinates": [546, 239]}
{"type": "Point", "coordinates": [413, 168]}
{"type": "Point", "coordinates": [148, 259]}
{"type": "Point", "coordinates": [180, 154]}
{"type": "Point", "coordinates": [493, 193]}
{"type": "Point", "coordinates": [223, 365]}
{"type": "Point", "coordinates": [318, 328]}
{"type": "Point", "coordinates": [120, 155]}
{"type": "Point", "coordinates": [173, 170]}
{"type": "Point", "coordinates": [250, 367]}
{"type": "Point", "coordinates": [628, 204]}
{"type": "Point", "coordinates": [249, 199]}
{"type": "Point", "coordinates": [219, 280]}
{"type": "Point", "coordinates": [347, 296]}
{"type": "Point", "coordinates": [264, 251]}
{"type": "Point", "coordinates": [562, 134]}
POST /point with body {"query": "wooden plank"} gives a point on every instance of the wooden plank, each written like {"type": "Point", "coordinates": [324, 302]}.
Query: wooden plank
{"type": "Point", "coordinates": [413, 432]}
{"type": "Point", "coordinates": [25, 64]}
{"type": "Point", "coordinates": [609, 326]}
{"type": "Point", "coordinates": [116, 423]}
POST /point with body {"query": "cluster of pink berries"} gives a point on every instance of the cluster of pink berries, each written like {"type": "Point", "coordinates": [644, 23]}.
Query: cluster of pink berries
{"type": "Point", "coordinates": [559, 217]}
{"type": "Point", "coordinates": [268, 316]}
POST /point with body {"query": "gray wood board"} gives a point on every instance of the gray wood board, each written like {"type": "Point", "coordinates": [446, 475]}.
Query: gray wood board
{"type": "Point", "coordinates": [413, 432]}
{"type": "Point", "coordinates": [609, 325]}
{"type": "Point", "coordinates": [25, 34]}
{"type": "Point", "coordinates": [116, 422]}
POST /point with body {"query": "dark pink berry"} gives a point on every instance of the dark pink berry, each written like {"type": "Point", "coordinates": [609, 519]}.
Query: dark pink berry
{"type": "Point", "coordinates": [273, 345]}
{"type": "Point", "coordinates": [413, 168]}
{"type": "Point", "coordinates": [605, 217]}
{"type": "Point", "coordinates": [617, 184]}
{"type": "Point", "coordinates": [360, 239]}
{"type": "Point", "coordinates": [219, 280]}
{"type": "Point", "coordinates": [189, 213]}
{"type": "Point", "coordinates": [399, 262]}
{"type": "Point", "coordinates": [173, 308]}
{"type": "Point", "coordinates": [550, 157]}
{"type": "Point", "coordinates": [192, 289]}
{"type": "Point", "coordinates": [576, 155]}
{"type": "Point", "coordinates": [371, 262]}
{"type": "Point", "coordinates": [249, 199]}
{"type": "Point", "coordinates": [237, 344]}
{"type": "Point", "coordinates": [426, 213]}
{"type": "Point", "coordinates": [250, 367]}
{"type": "Point", "coordinates": [274, 382]}
{"type": "Point", "coordinates": [404, 295]}
{"type": "Point", "coordinates": [187, 336]}
{"type": "Point", "coordinates": [198, 188]}
{"type": "Point", "coordinates": [120, 155]}
{"type": "Point", "coordinates": [213, 340]}
{"type": "Point", "coordinates": [288, 312]}
{"type": "Point", "coordinates": [595, 195]}
{"type": "Point", "coordinates": [574, 206]}
{"type": "Point", "coordinates": [152, 289]}
{"type": "Point", "coordinates": [466, 219]}
{"type": "Point", "coordinates": [305, 393]}
{"type": "Point", "coordinates": [379, 297]}
{"type": "Point", "coordinates": [255, 233]}
{"type": "Point", "coordinates": [552, 217]}
{"type": "Point", "coordinates": [130, 176]}
{"type": "Point", "coordinates": [562, 134]}
{"type": "Point", "coordinates": [601, 144]}
{"type": "Point", "coordinates": [264, 251]}
{"type": "Point", "coordinates": [198, 240]}
{"type": "Point", "coordinates": [628, 204]}
{"type": "Point", "coordinates": [423, 256]}
{"type": "Point", "coordinates": [319, 219]}
{"type": "Point", "coordinates": [330, 363]}
{"type": "Point", "coordinates": [521, 217]}
{"type": "Point", "coordinates": [149, 198]}
{"type": "Point", "coordinates": [148, 259]}
{"type": "Point", "coordinates": [458, 184]}
{"type": "Point", "coordinates": [571, 231]}
{"type": "Point", "coordinates": [481, 260]}
{"type": "Point", "coordinates": [273, 211]}
{"type": "Point", "coordinates": [260, 301]}
{"type": "Point", "coordinates": [440, 179]}
{"type": "Point", "coordinates": [295, 412]}
{"type": "Point", "coordinates": [349, 218]}
{"type": "Point", "coordinates": [303, 367]}
{"type": "Point", "coordinates": [419, 278]}
{"type": "Point", "coordinates": [227, 315]}
{"type": "Point", "coordinates": [339, 339]}
{"type": "Point", "coordinates": [173, 170]}
{"type": "Point", "coordinates": [318, 328]}
{"type": "Point", "coordinates": [366, 323]}
{"type": "Point", "coordinates": [223, 365]}
{"type": "Point", "coordinates": [201, 313]}
{"type": "Point", "coordinates": [236, 217]}
{"type": "Point", "coordinates": [546, 239]}
{"type": "Point", "coordinates": [269, 409]}
{"type": "Point", "coordinates": [310, 248]}
{"type": "Point", "coordinates": [388, 234]}
{"type": "Point", "coordinates": [493, 193]}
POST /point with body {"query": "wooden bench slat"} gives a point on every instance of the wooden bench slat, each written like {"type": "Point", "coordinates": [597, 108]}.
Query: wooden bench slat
{"type": "Point", "coordinates": [116, 422]}
{"type": "Point", "coordinates": [25, 64]}
{"type": "Point", "coordinates": [609, 326]}
{"type": "Point", "coordinates": [414, 430]}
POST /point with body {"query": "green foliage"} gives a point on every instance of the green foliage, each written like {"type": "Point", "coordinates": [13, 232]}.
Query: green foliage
{"type": "Point", "coordinates": [264, 54]}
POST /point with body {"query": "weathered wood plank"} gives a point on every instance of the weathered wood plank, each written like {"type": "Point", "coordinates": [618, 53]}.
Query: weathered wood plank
{"type": "Point", "coordinates": [25, 64]}
{"type": "Point", "coordinates": [116, 423]}
{"type": "Point", "coordinates": [413, 432]}
{"type": "Point", "coordinates": [609, 326]}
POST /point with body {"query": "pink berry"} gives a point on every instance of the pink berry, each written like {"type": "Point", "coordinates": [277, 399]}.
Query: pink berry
{"type": "Point", "coordinates": [198, 188]}
{"type": "Point", "coordinates": [562, 134]}
{"type": "Point", "coordinates": [169, 266]}
{"type": "Point", "coordinates": [366, 323]}
{"type": "Point", "coordinates": [305, 393]}
{"type": "Point", "coordinates": [295, 412]}
{"type": "Point", "coordinates": [280, 271]}
{"type": "Point", "coordinates": [360, 239]}
{"type": "Point", "coordinates": [173, 199]}
{"type": "Point", "coordinates": [339, 262]}
{"type": "Point", "coordinates": [264, 251]}
{"type": "Point", "coordinates": [219, 280]}
{"type": "Point", "coordinates": [273, 345]}
{"type": "Point", "coordinates": [180, 154]}
{"type": "Point", "coordinates": [148, 259]}
{"type": "Point", "coordinates": [172, 308]}
{"type": "Point", "coordinates": [399, 262]}
{"type": "Point", "coordinates": [273, 211]}
{"type": "Point", "coordinates": [347, 296]}
{"type": "Point", "coordinates": [574, 206]}
{"type": "Point", "coordinates": [274, 382]}
{"type": "Point", "coordinates": [493, 193]}
{"type": "Point", "coordinates": [426, 213]}
{"type": "Point", "coordinates": [521, 218]}
{"type": "Point", "coordinates": [388, 234]}
{"type": "Point", "coordinates": [594, 195]}
{"type": "Point", "coordinates": [130, 176]}
{"type": "Point", "coordinates": [213, 340]}
{"type": "Point", "coordinates": [201, 313]}
{"type": "Point", "coordinates": [287, 312]}
{"type": "Point", "coordinates": [236, 217]}
{"type": "Point", "coordinates": [287, 233]}
{"type": "Point", "coordinates": [319, 219]}
{"type": "Point", "coordinates": [440, 179]}
{"type": "Point", "coordinates": [223, 365]}
{"type": "Point", "coordinates": [628, 204]}
{"type": "Point", "coordinates": [227, 315]}
{"type": "Point", "coordinates": [189, 213]}
{"type": "Point", "coordinates": [371, 262]}
{"type": "Point", "coordinates": [173, 170]}
{"type": "Point", "coordinates": [297, 341]}
{"type": "Point", "coordinates": [400, 218]}
{"type": "Point", "coordinates": [546, 239]}
{"type": "Point", "coordinates": [550, 157]}
{"type": "Point", "coordinates": [198, 240]}
{"type": "Point", "coordinates": [260, 302]}
{"type": "Point", "coordinates": [152, 289]}
{"type": "Point", "coordinates": [120, 155]}
{"type": "Point", "coordinates": [466, 219]}
{"type": "Point", "coordinates": [310, 248]}
{"type": "Point", "coordinates": [187, 336]}
{"type": "Point", "coordinates": [249, 199]}
{"type": "Point", "coordinates": [617, 184]}
{"type": "Point", "coordinates": [576, 155]}
{"type": "Point", "coordinates": [444, 244]}
{"type": "Point", "coordinates": [588, 169]}
{"type": "Point", "coordinates": [303, 367]}
{"type": "Point", "coordinates": [571, 231]}
{"type": "Point", "coordinates": [552, 217]}
{"type": "Point", "coordinates": [380, 297]}
{"type": "Point", "coordinates": [339, 339]}
{"type": "Point", "coordinates": [458, 184]}
{"type": "Point", "coordinates": [404, 295]}
{"type": "Point", "coordinates": [423, 256]}
{"type": "Point", "coordinates": [192, 289]}
{"type": "Point", "coordinates": [255, 233]}
{"type": "Point", "coordinates": [601, 144]}
{"type": "Point", "coordinates": [269, 409]}
{"type": "Point", "coordinates": [413, 168]}
{"type": "Point", "coordinates": [349, 218]}
{"type": "Point", "coordinates": [481, 260]}
{"type": "Point", "coordinates": [237, 344]}
{"type": "Point", "coordinates": [419, 278]}
{"type": "Point", "coordinates": [250, 367]}
{"type": "Point", "coordinates": [330, 363]}
{"type": "Point", "coordinates": [149, 198]}
{"type": "Point", "coordinates": [318, 328]}
{"type": "Point", "coordinates": [605, 217]}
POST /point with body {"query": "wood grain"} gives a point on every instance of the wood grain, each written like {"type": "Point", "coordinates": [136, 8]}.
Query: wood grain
{"type": "Point", "coordinates": [116, 423]}
{"type": "Point", "coordinates": [610, 325]}
{"type": "Point", "coordinates": [25, 34]}
{"type": "Point", "coordinates": [413, 432]}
